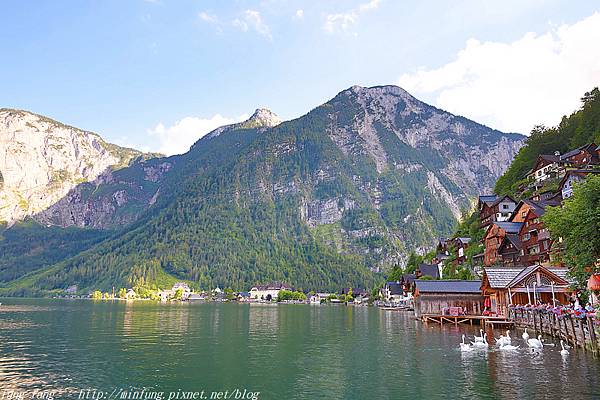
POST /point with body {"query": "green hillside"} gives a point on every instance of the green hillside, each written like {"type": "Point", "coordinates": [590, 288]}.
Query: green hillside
{"type": "Point", "coordinates": [580, 128]}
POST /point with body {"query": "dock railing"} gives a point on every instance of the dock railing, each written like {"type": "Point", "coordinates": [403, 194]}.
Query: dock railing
{"type": "Point", "coordinates": [578, 331]}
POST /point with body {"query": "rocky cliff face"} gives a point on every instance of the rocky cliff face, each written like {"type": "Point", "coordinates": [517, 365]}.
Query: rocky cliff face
{"type": "Point", "coordinates": [41, 160]}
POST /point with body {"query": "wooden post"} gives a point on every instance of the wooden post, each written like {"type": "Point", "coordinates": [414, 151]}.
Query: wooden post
{"type": "Point", "coordinates": [573, 329]}
{"type": "Point", "coordinates": [590, 322]}
{"type": "Point", "coordinates": [582, 334]}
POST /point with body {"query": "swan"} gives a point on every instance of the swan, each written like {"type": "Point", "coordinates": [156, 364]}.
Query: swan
{"type": "Point", "coordinates": [508, 347]}
{"type": "Point", "coordinates": [563, 352]}
{"type": "Point", "coordinates": [464, 346]}
{"type": "Point", "coordinates": [535, 343]}
{"type": "Point", "coordinates": [479, 339]}
{"type": "Point", "coordinates": [504, 340]}
{"type": "Point", "coordinates": [525, 335]}
{"type": "Point", "coordinates": [483, 343]}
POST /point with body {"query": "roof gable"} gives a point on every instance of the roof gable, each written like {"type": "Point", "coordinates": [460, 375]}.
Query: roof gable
{"type": "Point", "coordinates": [558, 275]}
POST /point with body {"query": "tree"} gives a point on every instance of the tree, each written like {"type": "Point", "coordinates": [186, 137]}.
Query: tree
{"type": "Point", "coordinates": [178, 294]}
{"type": "Point", "coordinates": [349, 295]}
{"type": "Point", "coordinates": [122, 293]}
{"type": "Point", "coordinates": [396, 274]}
{"type": "Point", "coordinates": [578, 224]}
{"type": "Point", "coordinates": [97, 295]}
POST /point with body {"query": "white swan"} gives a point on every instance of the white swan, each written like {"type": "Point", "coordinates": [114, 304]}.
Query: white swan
{"type": "Point", "coordinates": [508, 347]}
{"type": "Point", "coordinates": [483, 343]}
{"type": "Point", "coordinates": [479, 338]}
{"type": "Point", "coordinates": [535, 343]}
{"type": "Point", "coordinates": [563, 352]}
{"type": "Point", "coordinates": [525, 335]}
{"type": "Point", "coordinates": [464, 346]}
{"type": "Point", "coordinates": [504, 340]}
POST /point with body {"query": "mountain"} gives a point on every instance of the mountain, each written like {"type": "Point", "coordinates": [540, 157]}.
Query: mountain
{"type": "Point", "coordinates": [578, 129]}
{"type": "Point", "coordinates": [42, 159]}
{"type": "Point", "coordinates": [320, 202]}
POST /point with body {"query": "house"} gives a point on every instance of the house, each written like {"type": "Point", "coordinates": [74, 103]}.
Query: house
{"type": "Point", "coordinates": [461, 244]}
{"type": "Point", "coordinates": [131, 294]}
{"type": "Point", "coordinates": [573, 176]}
{"type": "Point", "coordinates": [486, 199]}
{"type": "Point", "coordinates": [319, 298]}
{"type": "Point", "coordinates": [493, 239]}
{"type": "Point", "coordinates": [535, 238]}
{"type": "Point", "coordinates": [184, 288]}
{"type": "Point", "coordinates": [432, 270]}
{"type": "Point", "coordinates": [243, 296]}
{"type": "Point", "coordinates": [357, 293]}
{"type": "Point", "coordinates": [499, 209]}
{"type": "Point", "coordinates": [71, 290]}
{"type": "Point", "coordinates": [510, 251]}
{"type": "Point", "coordinates": [268, 292]}
{"type": "Point", "coordinates": [582, 157]}
{"type": "Point", "coordinates": [546, 166]}
{"type": "Point", "coordinates": [197, 297]}
{"type": "Point", "coordinates": [393, 292]}
{"type": "Point", "coordinates": [527, 285]}
{"type": "Point", "coordinates": [165, 295]}
{"type": "Point", "coordinates": [450, 297]}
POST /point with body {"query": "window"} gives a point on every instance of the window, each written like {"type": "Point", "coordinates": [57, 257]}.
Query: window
{"type": "Point", "coordinates": [523, 214]}
{"type": "Point", "coordinates": [505, 206]}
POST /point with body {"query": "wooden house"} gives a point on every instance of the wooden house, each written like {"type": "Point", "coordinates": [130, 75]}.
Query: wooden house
{"type": "Point", "coordinates": [534, 237]}
{"type": "Point", "coordinates": [529, 285]}
{"type": "Point", "coordinates": [510, 251]}
{"type": "Point", "coordinates": [546, 166]}
{"type": "Point", "coordinates": [493, 239]}
{"type": "Point", "coordinates": [495, 209]}
{"type": "Point", "coordinates": [460, 245]}
{"type": "Point", "coordinates": [582, 157]}
{"type": "Point", "coordinates": [571, 177]}
{"type": "Point", "coordinates": [448, 297]}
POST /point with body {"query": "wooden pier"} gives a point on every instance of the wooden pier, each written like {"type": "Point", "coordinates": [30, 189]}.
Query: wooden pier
{"type": "Point", "coordinates": [464, 319]}
{"type": "Point", "coordinates": [577, 332]}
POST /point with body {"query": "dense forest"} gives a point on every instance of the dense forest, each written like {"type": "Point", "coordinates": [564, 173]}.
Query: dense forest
{"type": "Point", "coordinates": [580, 128]}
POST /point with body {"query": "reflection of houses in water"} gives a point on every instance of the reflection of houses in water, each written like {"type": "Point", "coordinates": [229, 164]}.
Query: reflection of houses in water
{"type": "Point", "coordinates": [263, 319]}
{"type": "Point", "coordinates": [531, 285]}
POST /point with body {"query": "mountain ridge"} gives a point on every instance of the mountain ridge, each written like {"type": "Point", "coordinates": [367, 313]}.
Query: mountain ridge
{"type": "Point", "coordinates": [327, 199]}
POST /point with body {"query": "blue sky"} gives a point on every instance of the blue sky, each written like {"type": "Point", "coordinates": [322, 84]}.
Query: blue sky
{"type": "Point", "coordinates": [158, 74]}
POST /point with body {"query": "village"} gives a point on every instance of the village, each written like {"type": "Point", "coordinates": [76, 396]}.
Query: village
{"type": "Point", "coordinates": [517, 277]}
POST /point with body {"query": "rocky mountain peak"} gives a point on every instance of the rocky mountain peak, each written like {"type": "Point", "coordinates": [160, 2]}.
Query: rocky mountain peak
{"type": "Point", "coordinates": [264, 118]}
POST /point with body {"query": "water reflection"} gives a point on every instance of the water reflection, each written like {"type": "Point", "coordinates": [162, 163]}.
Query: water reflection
{"type": "Point", "coordinates": [284, 351]}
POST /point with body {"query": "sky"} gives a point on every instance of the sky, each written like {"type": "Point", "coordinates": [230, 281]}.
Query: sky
{"type": "Point", "coordinates": [159, 74]}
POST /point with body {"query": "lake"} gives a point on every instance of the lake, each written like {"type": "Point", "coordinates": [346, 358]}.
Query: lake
{"type": "Point", "coordinates": [84, 349]}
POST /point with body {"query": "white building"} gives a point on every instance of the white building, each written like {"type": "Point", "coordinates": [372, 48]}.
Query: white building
{"type": "Point", "coordinates": [267, 292]}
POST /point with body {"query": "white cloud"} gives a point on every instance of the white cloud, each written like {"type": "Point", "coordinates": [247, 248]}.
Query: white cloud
{"type": "Point", "coordinates": [342, 22]}
{"type": "Point", "coordinates": [513, 86]}
{"type": "Point", "coordinates": [252, 20]}
{"type": "Point", "coordinates": [177, 138]}
{"type": "Point", "coordinates": [299, 14]}
{"type": "Point", "coordinates": [209, 18]}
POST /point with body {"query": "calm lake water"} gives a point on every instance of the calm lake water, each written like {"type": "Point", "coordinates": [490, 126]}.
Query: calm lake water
{"type": "Point", "coordinates": [112, 350]}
